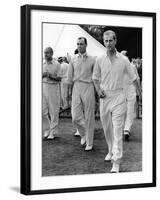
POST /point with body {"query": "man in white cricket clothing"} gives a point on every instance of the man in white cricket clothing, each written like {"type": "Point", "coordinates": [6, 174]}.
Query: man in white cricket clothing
{"type": "Point", "coordinates": [130, 92]}
{"type": "Point", "coordinates": [51, 93]}
{"type": "Point", "coordinates": [83, 95]}
{"type": "Point", "coordinates": [64, 85]}
{"type": "Point", "coordinates": [108, 78]}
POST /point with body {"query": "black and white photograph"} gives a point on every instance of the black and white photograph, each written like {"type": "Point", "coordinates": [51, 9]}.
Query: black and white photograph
{"type": "Point", "coordinates": [88, 90]}
{"type": "Point", "coordinates": [78, 137]}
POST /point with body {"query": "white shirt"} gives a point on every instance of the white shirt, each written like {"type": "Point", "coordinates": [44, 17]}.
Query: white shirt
{"type": "Point", "coordinates": [53, 68]}
{"type": "Point", "coordinates": [127, 80]}
{"type": "Point", "coordinates": [81, 68]}
{"type": "Point", "coordinates": [111, 74]}
{"type": "Point", "coordinates": [64, 71]}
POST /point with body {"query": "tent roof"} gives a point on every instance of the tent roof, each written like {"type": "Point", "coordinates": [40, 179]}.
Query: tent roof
{"type": "Point", "coordinates": [63, 38]}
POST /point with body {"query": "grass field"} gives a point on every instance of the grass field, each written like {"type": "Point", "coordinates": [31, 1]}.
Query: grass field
{"type": "Point", "coordinates": [65, 156]}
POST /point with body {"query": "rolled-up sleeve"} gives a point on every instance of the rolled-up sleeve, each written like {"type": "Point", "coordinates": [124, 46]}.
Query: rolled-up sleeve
{"type": "Point", "coordinates": [96, 71]}
{"type": "Point", "coordinates": [130, 71]}
{"type": "Point", "coordinates": [70, 73]}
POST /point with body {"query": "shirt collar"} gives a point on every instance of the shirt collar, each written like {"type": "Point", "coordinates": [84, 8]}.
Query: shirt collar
{"type": "Point", "coordinates": [117, 54]}
{"type": "Point", "coordinates": [52, 61]}
{"type": "Point", "coordinates": [84, 55]}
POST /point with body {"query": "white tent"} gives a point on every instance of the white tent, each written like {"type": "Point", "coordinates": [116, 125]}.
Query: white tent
{"type": "Point", "coordinates": [63, 38]}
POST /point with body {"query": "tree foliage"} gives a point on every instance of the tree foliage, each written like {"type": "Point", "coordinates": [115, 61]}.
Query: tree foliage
{"type": "Point", "coordinates": [95, 31]}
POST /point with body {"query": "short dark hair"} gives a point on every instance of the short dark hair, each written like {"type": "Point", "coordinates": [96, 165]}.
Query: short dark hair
{"type": "Point", "coordinates": [85, 40]}
{"type": "Point", "coordinates": [76, 51]}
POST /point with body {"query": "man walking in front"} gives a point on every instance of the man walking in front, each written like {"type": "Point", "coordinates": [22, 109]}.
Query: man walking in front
{"type": "Point", "coordinates": [83, 97]}
{"type": "Point", "coordinates": [108, 78]}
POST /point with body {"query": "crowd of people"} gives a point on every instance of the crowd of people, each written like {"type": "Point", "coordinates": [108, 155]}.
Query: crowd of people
{"type": "Point", "coordinates": [110, 79]}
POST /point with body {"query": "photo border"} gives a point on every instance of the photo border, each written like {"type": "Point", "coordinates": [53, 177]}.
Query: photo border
{"type": "Point", "coordinates": [25, 185]}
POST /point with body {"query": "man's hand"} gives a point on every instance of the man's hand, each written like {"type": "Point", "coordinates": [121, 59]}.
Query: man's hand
{"type": "Point", "coordinates": [54, 77]}
{"type": "Point", "coordinates": [101, 94]}
{"type": "Point", "coordinates": [138, 89]}
{"type": "Point", "coordinates": [45, 74]}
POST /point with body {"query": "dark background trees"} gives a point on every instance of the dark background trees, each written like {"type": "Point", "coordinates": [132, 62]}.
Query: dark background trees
{"type": "Point", "coordinates": [129, 38]}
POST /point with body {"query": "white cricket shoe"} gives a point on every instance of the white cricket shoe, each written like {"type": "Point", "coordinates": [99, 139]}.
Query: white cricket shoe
{"type": "Point", "coordinates": [83, 140]}
{"type": "Point", "coordinates": [51, 137]}
{"type": "Point", "coordinates": [108, 157]}
{"type": "Point", "coordinates": [115, 168]}
{"type": "Point", "coordinates": [46, 134]}
{"type": "Point", "coordinates": [88, 148]}
{"type": "Point", "coordinates": [77, 133]}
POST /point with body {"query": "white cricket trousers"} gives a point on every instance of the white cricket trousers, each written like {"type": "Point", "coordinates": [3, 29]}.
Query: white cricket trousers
{"type": "Point", "coordinates": [83, 109]}
{"type": "Point", "coordinates": [51, 106]}
{"type": "Point", "coordinates": [112, 112]}
{"type": "Point", "coordinates": [130, 93]}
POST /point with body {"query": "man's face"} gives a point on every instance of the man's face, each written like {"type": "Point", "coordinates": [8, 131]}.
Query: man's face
{"type": "Point", "coordinates": [138, 62]}
{"type": "Point", "coordinates": [48, 54]}
{"type": "Point", "coordinates": [109, 42]}
{"type": "Point", "coordinates": [81, 46]}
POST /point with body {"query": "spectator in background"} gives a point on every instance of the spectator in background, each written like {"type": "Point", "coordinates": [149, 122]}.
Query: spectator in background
{"type": "Point", "coordinates": [139, 68]}
{"type": "Point", "coordinates": [68, 58]}
{"type": "Point", "coordinates": [51, 93]}
{"type": "Point", "coordinates": [64, 85]}
{"type": "Point", "coordinates": [133, 62]}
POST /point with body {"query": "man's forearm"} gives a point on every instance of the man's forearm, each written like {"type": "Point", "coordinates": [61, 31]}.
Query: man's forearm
{"type": "Point", "coordinates": [99, 91]}
{"type": "Point", "coordinates": [96, 85]}
{"type": "Point", "coordinates": [55, 78]}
